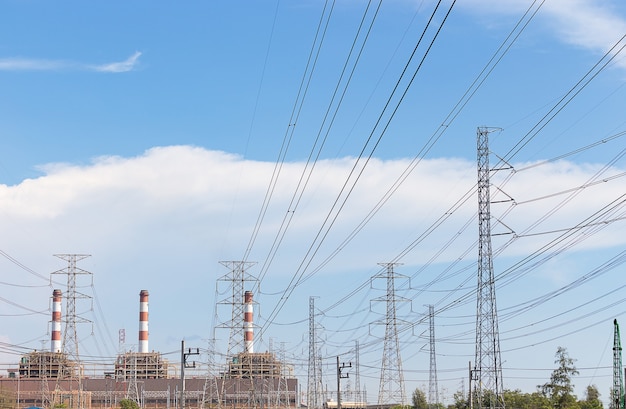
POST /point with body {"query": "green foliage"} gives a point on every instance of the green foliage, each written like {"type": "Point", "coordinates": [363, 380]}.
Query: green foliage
{"type": "Point", "coordinates": [592, 398]}
{"type": "Point", "coordinates": [560, 388]}
{"type": "Point", "coordinates": [555, 394]}
{"type": "Point", "coordinates": [419, 399]}
{"type": "Point", "coordinates": [460, 402]}
{"type": "Point", "coordinates": [128, 404]}
{"type": "Point", "coordinates": [518, 400]}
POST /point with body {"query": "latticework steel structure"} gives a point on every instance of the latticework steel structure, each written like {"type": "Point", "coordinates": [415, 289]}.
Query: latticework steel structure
{"type": "Point", "coordinates": [70, 336]}
{"type": "Point", "coordinates": [236, 278]}
{"type": "Point", "coordinates": [488, 388]}
{"type": "Point", "coordinates": [433, 389]}
{"type": "Point", "coordinates": [315, 397]}
{"type": "Point", "coordinates": [391, 387]}
{"type": "Point", "coordinates": [617, 392]}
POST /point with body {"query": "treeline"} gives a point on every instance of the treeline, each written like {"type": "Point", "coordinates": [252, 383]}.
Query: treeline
{"type": "Point", "coordinates": [557, 393]}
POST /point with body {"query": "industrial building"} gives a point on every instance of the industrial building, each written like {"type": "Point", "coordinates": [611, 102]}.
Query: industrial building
{"type": "Point", "coordinates": [52, 379]}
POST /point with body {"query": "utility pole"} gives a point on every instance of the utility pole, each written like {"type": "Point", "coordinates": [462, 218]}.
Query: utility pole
{"type": "Point", "coordinates": [339, 376]}
{"type": "Point", "coordinates": [183, 365]}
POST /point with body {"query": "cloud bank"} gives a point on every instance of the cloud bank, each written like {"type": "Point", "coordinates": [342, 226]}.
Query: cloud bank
{"type": "Point", "coordinates": [163, 221]}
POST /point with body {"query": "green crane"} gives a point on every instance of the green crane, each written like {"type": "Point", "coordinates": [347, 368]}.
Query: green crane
{"type": "Point", "coordinates": [617, 393]}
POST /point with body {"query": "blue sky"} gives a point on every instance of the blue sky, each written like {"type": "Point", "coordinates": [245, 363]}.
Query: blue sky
{"type": "Point", "coordinates": [146, 134]}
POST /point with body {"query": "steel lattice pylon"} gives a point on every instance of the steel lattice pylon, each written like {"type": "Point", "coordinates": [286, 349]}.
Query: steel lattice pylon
{"type": "Point", "coordinates": [314, 382]}
{"type": "Point", "coordinates": [617, 392]}
{"type": "Point", "coordinates": [433, 390]}
{"type": "Point", "coordinates": [211, 395]}
{"type": "Point", "coordinates": [70, 336]}
{"type": "Point", "coordinates": [237, 277]}
{"type": "Point", "coordinates": [391, 387]}
{"type": "Point", "coordinates": [488, 389]}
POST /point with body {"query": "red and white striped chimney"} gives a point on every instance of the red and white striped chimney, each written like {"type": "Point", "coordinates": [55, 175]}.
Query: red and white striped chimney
{"type": "Point", "coordinates": [143, 321]}
{"type": "Point", "coordinates": [248, 323]}
{"type": "Point", "coordinates": [55, 341]}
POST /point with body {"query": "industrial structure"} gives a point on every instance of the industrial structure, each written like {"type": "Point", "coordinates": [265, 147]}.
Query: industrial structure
{"type": "Point", "coordinates": [391, 388]}
{"type": "Point", "coordinates": [487, 373]}
{"type": "Point", "coordinates": [256, 378]}
{"type": "Point", "coordinates": [617, 391]}
{"type": "Point", "coordinates": [53, 379]}
{"type": "Point", "coordinates": [143, 364]}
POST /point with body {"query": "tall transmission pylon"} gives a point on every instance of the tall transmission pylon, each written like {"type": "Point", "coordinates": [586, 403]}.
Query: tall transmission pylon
{"type": "Point", "coordinates": [70, 336]}
{"type": "Point", "coordinates": [132, 391]}
{"type": "Point", "coordinates": [314, 395]}
{"type": "Point", "coordinates": [282, 392]}
{"type": "Point", "coordinates": [391, 387]}
{"type": "Point", "coordinates": [433, 389]}
{"type": "Point", "coordinates": [357, 373]}
{"type": "Point", "coordinates": [487, 374]}
{"type": "Point", "coordinates": [617, 392]}
{"type": "Point", "coordinates": [237, 277]}
{"type": "Point", "coordinates": [211, 396]}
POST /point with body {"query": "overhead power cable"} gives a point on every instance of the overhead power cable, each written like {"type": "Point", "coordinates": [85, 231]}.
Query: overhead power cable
{"type": "Point", "coordinates": [295, 113]}
{"type": "Point", "coordinates": [592, 73]}
{"type": "Point", "coordinates": [456, 110]}
{"type": "Point", "coordinates": [354, 174]}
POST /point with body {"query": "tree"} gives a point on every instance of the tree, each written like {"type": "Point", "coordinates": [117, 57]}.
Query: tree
{"type": "Point", "coordinates": [128, 404]}
{"type": "Point", "coordinates": [518, 400]}
{"type": "Point", "coordinates": [560, 388]}
{"type": "Point", "coordinates": [419, 399]}
{"type": "Point", "coordinates": [460, 401]}
{"type": "Point", "coordinates": [592, 398]}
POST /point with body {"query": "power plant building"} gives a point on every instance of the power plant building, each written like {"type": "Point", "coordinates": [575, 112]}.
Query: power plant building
{"type": "Point", "coordinates": [50, 378]}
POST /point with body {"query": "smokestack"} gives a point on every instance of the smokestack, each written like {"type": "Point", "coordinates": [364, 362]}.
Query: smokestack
{"type": "Point", "coordinates": [143, 321]}
{"type": "Point", "coordinates": [248, 323]}
{"type": "Point", "coordinates": [55, 341]}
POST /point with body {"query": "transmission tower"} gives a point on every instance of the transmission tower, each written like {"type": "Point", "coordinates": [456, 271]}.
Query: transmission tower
{"type": "Point", "coordinates": [70, 337]}
{"type": "Point", "coordinates": [132, 392]}
{"type": "Point", "coordinates": [357, 373]}
{"type": "Point", "coordinates": [282, 392]}
{"type": "Point", "coordinates": [617, 392]}
{"type": "Point", "coordinates": [314, 384]}
{"type": "Point", "coordinates": [211, 396]}
{"type": "Point", "coordinates": [391, 388]}
{"type": "Point", "coordinates": [236, 279]}
{"type": "Point", "coordinates": [433, 390]}
{"type": "Point", "coordinates": [488, 365]}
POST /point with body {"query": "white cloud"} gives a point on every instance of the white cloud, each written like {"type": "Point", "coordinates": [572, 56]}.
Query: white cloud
{"type": "Point", "coordinates": [30, 64]}
{"type": "Point", "coordinates": [122, 66]}
{"type": "Point", "coordinates": [589, 24]}
{"type": "Point", "coordinates": [163, 220]}
{"type": "Point", "coordinates": [33, 64]}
